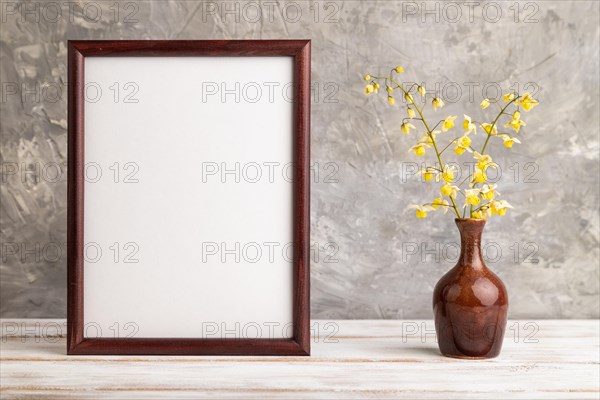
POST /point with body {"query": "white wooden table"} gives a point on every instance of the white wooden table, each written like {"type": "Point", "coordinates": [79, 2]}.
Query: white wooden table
{"type": "Point", "coordinates": [553, 359]}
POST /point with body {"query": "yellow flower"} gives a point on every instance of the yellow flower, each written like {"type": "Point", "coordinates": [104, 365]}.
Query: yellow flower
{"type": "Point", "coordinates": [448, 123]}
{"type": "Point", "coordinates": [367, 77]}
{"type": "Point", "coordinates": [369, 89]}
{"type": "Point", "coordinates": [489, 129]}
{"type": "Point", "coordinates": [462, 144]}
{"type": "Point", "coordinates": [449, 190]}
{"type": "Point", "coordinates": [437, 102]}
{"type": "Point", "coordinates": [527, 102]}
{"type": "Point", "coordinates": [399, 69]}
{"type": "Point", "coordinates": [464, 141]}
{"type": "Point", "coordinates": [389, 89]}
{"type": "Point", "coordinates": [428, 173]}
{"type": "Point", "coordinates": [406, 127]}
{"type": "Point", "coordinates": [419, 149]}
{"type": "Point", "coordinates": [477, 214]}
{"type": "Point", "coordinates": [458, 149]}
{"type": "Point", "coordinates": [488, 192]}
{"type": "Point", "coordinates": [508, 97]}
{"type": "Point", "coordinates": [391, 100]}
{"type": "Point", "coordinates": [408, 97]}
{"type": "Point", "coordinates": [515, 122]}
{"type": "Point", "coordinates": [509, 141]}
{"type": "Point", "coordinates": [472, 197]}
{"type": "Point", "coordinates": [479, 176]}
{"type": "Point", "coordinates": [439, 202]}
{"type": "Point", "coordinates": [469, 125]}
{"type": "Point", "coordinates": [421, 91]}
{"type": "Point", "coordinates": [410, 112]}
{"type": "Point", "coordinates": [427, 139]}
{"type": "Point", "coordinates": [448, 173]}
{"type": "Point", "coordinates": [421, 211]}
{"type": "Point", "coordinates": [485, 104]}
{"type": "Point", "coordinates": [484, 161]}
{"type": "Point", "coordinates": [500, 207]}
{"type": "Point", "coordinates": [376, 85]}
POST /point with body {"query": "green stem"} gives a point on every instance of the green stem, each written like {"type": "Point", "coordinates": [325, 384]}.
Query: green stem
{"type": "Point", "coordinates": [449, 144]}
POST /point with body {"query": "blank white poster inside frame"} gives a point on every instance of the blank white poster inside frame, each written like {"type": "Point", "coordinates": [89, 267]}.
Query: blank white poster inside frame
{"type": "Point", "coordinates": [188, 197]}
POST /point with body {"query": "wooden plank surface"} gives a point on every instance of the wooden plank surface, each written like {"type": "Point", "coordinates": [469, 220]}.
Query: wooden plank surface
{"type": "Point", "coordinates": [552, 359]}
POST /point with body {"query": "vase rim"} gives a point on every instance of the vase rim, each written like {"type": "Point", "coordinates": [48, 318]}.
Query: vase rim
{"type": "Point", "coordinates": [470, 219]}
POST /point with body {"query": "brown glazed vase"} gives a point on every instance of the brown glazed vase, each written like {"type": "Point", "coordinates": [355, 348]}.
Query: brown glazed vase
{"type": "Point", "coordinates": [470, 302]}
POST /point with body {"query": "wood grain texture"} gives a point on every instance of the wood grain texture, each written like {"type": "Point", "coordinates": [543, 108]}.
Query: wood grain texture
{"type": "Point", "coordinates": [299, 344]}
{"type": "Point", "coordinates": [75, 178]}
{"type": "Point", "coordinates": [549, 359]}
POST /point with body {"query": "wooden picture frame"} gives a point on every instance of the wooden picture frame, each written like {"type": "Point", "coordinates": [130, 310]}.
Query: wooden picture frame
{"type": "Point", "coordinates": [80, 210]}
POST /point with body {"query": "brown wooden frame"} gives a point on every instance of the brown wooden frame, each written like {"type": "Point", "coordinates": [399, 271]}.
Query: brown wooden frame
{"type": "Point", "coordinates": [299, 344]}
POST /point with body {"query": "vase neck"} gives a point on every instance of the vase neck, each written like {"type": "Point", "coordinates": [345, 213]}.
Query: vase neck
{"type": "Point", "coordinates": [470, 243]}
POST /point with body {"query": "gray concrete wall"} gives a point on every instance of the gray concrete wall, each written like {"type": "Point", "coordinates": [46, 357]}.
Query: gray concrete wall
{"type": "Point", "coordinates": [383, 262]}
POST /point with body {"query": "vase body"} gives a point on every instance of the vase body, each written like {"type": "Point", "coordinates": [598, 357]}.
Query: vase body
{"type": "Point", "coordinates": [470, 302]}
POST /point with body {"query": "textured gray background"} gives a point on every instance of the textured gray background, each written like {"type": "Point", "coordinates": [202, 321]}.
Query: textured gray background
{"type": "Point", "coordinates": [362, 207]}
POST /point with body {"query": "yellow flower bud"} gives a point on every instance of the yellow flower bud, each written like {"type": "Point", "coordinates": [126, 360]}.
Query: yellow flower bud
{"type": "Point", "coordinates": [465, 141]}
{"type": "Point", "coordinates": [391, 100]}
{"type": "Point", "coordinates": [419, 148]}
{"type": "Point", "coordinates": [389, 89]}
{"type": "Point", "coordinates": [437, 102]}
{"type": "Point", "coordinates": [484, 161]}
{"type": "Point", "coordinates": [508, 141]}
{"type": "Point", "coordinates": [421, 91]}
{"type": "Point", "coordinates": [406, 127]}
{"type": "Point", "coordinates": [446, 190]}
{"type": "Point", "coordinates": [408, 97]}
{"type": "Point", "coordinates": [527, 102]}
{"type": "Point", "coordinates": [410, 112]}
{"type": "Point", "coordinates": [421, 211]}
{"type": "Point", "coordinates": [449, 190]}
{"type": "Point", "coordinates": [488, 195]}
{"type": "Point", "coordinates": [488, 192]}
{"type": "Point", "coordinates": [376, 85]}
{"type": "Point", "coordinates": [448, 123]}
{"type": "Point", "coordinates": [369, 89]}
{"type": "Point", "coordinates": [448, 173]}
{"type": "Point", "coordinates": [439, 202]}
{"type": "Point", "coordinates": [508, 97]}
{"type": "Point", "coordinates": [489, 129]}
{"type": "Point", "coordinates": [399, 69]}
{"type": "Point", "coordinates": [485, 104]}
{"type": "Point", "coordinates": [515, 122]}
{"type": "Point", "coordinates": [459, 150]}
{"type": "Point", "coordinates": [477, 214]}
{"type": "Point", "coordinates": [468, 124]}
{"type": "Point", "coordinates": [479, 176]}
{"type": "Point", "coordinates": [472, 197]}
{"type": "Point", "coordinates": [367, 77]}
{"type": "Point", "coordinates": [499, 207]}
{"type": "Point", "coordinates": [473, 200]}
